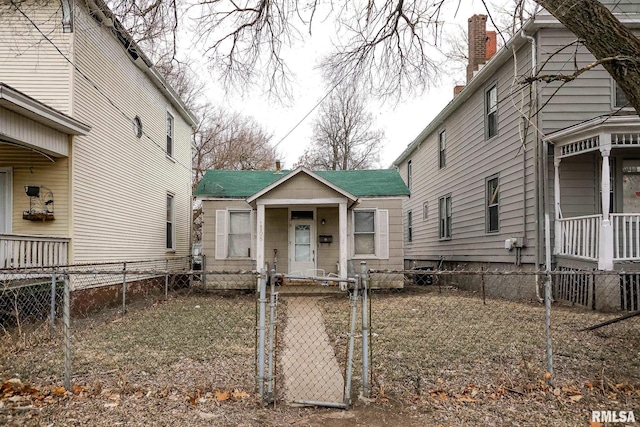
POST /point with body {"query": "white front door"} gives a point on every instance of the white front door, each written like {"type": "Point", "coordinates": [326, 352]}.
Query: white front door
{"type": "Point", "coordinates": [5, 200]}
{"type": "Point", "coordinates": [302, 243]}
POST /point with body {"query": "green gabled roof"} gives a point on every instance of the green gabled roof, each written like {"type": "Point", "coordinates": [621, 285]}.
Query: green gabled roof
{"type": "Point", "coordinates": [244, 184]}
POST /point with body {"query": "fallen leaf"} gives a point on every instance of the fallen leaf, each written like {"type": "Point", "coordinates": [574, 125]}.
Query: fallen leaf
{"type": "Point", "coordinates": [192, 399]}
{"type": "Point", "coordinates": [221, 396]}
{"type": "Point", "coordinates": [237, 394]}
{"type": "Point", "coordinates": [575, 397]}
{"type": "Point", "coordinates": [58, 391]}
{"type": "Point", "coordinates": [547, 375]}
{"type": "Point", "coordinates": [77, 389]}
{"type": "Point", "coordinates": [595, 424]}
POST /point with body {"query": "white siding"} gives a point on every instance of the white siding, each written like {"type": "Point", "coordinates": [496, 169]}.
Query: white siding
{"type": "Point", "coordinates": [28, 62]}
{"type": "Point", "coordinates": [18, 128]}
{"type": "Point", "coordinates": [121, 181]}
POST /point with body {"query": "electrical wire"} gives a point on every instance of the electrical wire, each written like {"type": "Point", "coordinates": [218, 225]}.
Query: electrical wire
{"type": "Point", "coordinates": [93, 84]}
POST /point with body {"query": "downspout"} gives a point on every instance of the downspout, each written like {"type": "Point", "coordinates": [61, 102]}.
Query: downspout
{"type": "Point", "coordinates": [533, 106]}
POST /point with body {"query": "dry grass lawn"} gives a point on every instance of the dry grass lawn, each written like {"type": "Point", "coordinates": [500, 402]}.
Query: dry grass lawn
{"type": "Point", "coordinates": [437, 358]}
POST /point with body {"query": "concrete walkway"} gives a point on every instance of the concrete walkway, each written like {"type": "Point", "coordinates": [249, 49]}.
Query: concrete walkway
{"type": "Point", "coordinates": [311, 371]}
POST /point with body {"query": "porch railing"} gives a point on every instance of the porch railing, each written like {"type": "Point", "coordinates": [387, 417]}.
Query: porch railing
{"type": "Point", "coordinates": [26, 251]}
{"type": "Point", "coordinates": [626, 236]}
{"type": "Point", "coordinates": [580, 236]}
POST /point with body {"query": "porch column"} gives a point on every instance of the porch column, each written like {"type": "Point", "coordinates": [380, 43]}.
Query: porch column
{"type": "Point", "coordinates": [605, 260]}
{"type": "Point", "coordinates": [342, 224]}
{"type": "Point", "coordinates": [556, 207]}
{"type": "Point", "coordinates": [260, 238]}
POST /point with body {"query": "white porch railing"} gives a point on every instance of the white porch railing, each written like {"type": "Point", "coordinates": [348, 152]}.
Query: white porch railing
{"type": "Point", "coordinates": [580, 237]}
{"type": "Point", "coordinates": [626, 237]}
{"type": "Point", "coordinates": [26, 251]}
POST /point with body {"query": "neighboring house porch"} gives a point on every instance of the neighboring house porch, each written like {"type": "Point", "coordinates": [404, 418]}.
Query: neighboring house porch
{"type": "Point", "coordinates": [35, 145]}
{"type": "Point", "coordinates": [597, 194]}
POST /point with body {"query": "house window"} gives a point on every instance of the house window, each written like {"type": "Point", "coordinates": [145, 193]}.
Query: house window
{"type": "Point", "coordinates": [409, 227]}
{"type": "Point", "coordinates": [442, 149]}
{"type": "Point", "coordinates": [492, 213]}
{"type": "Point", "coordinates": [409, 174]}
{"type": "Point", "coordinates": [425, 211]}
{"type": "Point", "coordinates": [169, 134]}
{"type": "Point", "coordinates": [170, 219]}
{"type": "Point", "coordinates": [137, 126]}
{"type": "Point", "coordinates": [491, 107]}
{"type": "Point", "coordinates": [364, 232]}
{"type": "Point", "coordinates": [620, 99]}
{"type": "Point", "coordinates": [239, 234]}
{"type": "Point", "coordinates": [444, 217]}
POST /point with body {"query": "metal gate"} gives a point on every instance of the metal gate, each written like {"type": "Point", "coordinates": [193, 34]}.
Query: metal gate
{"type": "Point", "coordinates": [306, 334]}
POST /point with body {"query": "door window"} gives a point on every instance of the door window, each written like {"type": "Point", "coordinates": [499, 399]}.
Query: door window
{"type": "Point", "coordinates": [302, 242]}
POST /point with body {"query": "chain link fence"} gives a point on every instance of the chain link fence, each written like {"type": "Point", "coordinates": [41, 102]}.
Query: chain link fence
{"type": "Point", "coordinates": [428, 338]}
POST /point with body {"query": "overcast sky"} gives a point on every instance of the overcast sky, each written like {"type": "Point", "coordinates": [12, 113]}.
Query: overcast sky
{"type": "Point", "coordinates": [402, 121]}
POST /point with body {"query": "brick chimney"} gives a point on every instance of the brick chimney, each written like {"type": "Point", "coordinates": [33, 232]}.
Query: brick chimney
{"type": "Point", "coordinates": [478, 52]}
{"type": "Point", "coordinates": [457, 89]}
{"type": "Point", "coordinates": [492, 44]}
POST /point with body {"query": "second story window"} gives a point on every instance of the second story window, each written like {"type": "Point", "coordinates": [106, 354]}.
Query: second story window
{"type": "Point", "coordinates": [619, 99]}
{"type": "Point", "coordinates": [442, 149]}
{"type": "Point", "coordinates": [409, 227]}
{"type": "Point", "coordinates": [409, 173]}
{"type": "Point", "coordinates": [491, 111]}
{"type": "Point", "coordinates": [169, 134]}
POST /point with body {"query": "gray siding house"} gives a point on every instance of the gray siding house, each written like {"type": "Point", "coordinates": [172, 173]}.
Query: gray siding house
{"type": "Point", "coordinates": [505, 164]}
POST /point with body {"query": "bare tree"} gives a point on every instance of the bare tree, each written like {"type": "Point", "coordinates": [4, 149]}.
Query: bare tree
{"type": "Point", "coordinates": [343, 135]}
{"type": "Point", "coordinates": [391, 45]}
{"type": "Point", "coordinates": [228, 140]}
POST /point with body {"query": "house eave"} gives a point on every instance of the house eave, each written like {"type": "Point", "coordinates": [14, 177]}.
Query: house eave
{"type": "Point", "coordinates": [137, 56]}
{"type": "Point", "coordinates": [20, 103]}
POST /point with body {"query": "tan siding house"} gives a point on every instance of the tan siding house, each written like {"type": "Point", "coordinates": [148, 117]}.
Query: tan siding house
{"type": "Point", "coordinates": [301, 222]}
{"type": "Point", "coordinates": [88, 125]}
{"type": "Point", "coordinates": [479, 197]}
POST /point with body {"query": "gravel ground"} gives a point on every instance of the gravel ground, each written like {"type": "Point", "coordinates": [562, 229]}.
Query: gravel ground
{"type": "Point", "coordinates": [437, 359]}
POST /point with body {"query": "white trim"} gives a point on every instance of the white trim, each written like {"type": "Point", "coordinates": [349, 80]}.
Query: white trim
{"type": "Point", "coordinates": [24, 105]}
{"type": "Point", "coordinates": [313, 236]}
{"type": "Point", "coordinates": [8, 202]}
{"type": "Point", "coordinates": [343, 235]}
{"type": "Point", "coordinates": [260, 237]}
{"type": "Point", "coordinates": [172, 196]}
{"type": "Point", "coordinates": [309, 202]}
{"type": "Point", "coordinates": [301, 169]}
{"type": "Point", "coordinates": [228, 226]}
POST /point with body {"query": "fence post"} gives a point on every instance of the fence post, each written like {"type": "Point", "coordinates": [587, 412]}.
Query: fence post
{"type": "Point", "coordinates": [272, 324]}
{"type": "Point", "coordinates": [352, 333]}
{"type": "Point", "coordinates": [66, 318]}
{"type": "Point", "coordinates": [365, 330]}
{"type": "Point", "coordinates": [190, 268]}
{"type": "Point", "coordinates": [124, 288]}
{"type": "Point", "coordinates": [547, 310]}
{"type": "Point", "coordinates": [166, 280]}
{"type": "Point", "coordinates": [262, 285]}
{"type": "Point", "coordinates": [52, 320]}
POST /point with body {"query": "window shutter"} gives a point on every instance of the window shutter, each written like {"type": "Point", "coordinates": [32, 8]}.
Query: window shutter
{"type": "Point", "coordinates": [221, 234]}
{"type": "Point", "coordinates": [383, 234]}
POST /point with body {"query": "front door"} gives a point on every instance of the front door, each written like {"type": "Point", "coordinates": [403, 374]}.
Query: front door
{"type": "Point", "coordinates": [5, 200]}
{"type": "Point", "coordinates": [302, 243]}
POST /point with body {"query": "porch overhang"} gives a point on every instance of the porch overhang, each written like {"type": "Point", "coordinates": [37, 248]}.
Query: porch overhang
{"type": "Point", "coordinates": [48, 128]}
{"type": "Point", "coordinates": [602, 133]}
